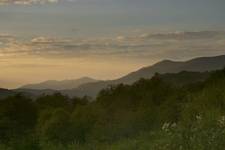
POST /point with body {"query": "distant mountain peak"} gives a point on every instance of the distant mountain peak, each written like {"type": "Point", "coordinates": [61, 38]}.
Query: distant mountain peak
{"type": "Point", "coordinates": [200, 65]}
{"type": "Point", "coordinates": [165, 61]}
{"type": "Point", "coordinates": [86, 78]}
{"type": "Point", "coordinates": [59, 85]}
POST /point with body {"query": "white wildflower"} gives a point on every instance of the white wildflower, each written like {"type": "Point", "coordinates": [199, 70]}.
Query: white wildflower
{"type": "Point", "coordinates": [166, 126]}
{"type": "Point", "coordinates": [222, 121]}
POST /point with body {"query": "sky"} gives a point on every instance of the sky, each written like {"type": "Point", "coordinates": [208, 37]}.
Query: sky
{"type": "Point", "coordinates": [104, 39]}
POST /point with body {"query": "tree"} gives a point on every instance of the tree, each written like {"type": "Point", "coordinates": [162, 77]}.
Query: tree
{"type": "Point", "coordinates": [18, 115]}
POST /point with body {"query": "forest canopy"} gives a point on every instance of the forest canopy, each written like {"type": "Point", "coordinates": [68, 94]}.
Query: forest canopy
{"type": "Point", "coordinates": [149, 114]}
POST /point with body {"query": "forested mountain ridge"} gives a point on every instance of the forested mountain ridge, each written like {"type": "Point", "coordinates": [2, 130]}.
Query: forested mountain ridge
{"type": "Point", "coordinates": [176, 79]}
{"type": "Point", "coordinates": [202, 64]}
{"type": "Point", "coordinates": [92, 87]}
{"type": "Point", "coordinates": [181, 78]}
{"type": "Point", "coordinates": [149, 114]}
{"type": "Point", "coordinates": [5, 93]}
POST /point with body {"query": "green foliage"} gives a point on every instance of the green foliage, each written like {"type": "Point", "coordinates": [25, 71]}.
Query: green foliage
{"type": "Point", "coordinates": [56, 100]}
{"type": "Point", "coordinates": [54, 126]}
{"type": "Point", "coordinates": [17, 117]}
{"type": "Point", "coordinates": [148, 115]}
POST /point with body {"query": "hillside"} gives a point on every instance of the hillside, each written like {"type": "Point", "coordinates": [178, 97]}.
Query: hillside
{"type": "Point", "coordinates": [197, 69]}
{"type": "Point", "coordinates": [59, 85]}
{"type": "Point", "coordinates": [150, 114]}
{"type": "Point", "coordinates": [201, 64]}
{"type": "Point", "coordinates": [5, 93]}
{"type": "Point", "coordinates": [177, 79]}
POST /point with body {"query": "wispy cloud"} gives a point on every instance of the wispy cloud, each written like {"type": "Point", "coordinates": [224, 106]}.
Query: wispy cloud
{"type": "Point", "coordinates": [26, 2]}
{"type": "Point", "coordinates": [41, 58]}
{"type": "Point", "coordinates": [139, 46]}
{"type": "Point", "coordinates": [185, 35]}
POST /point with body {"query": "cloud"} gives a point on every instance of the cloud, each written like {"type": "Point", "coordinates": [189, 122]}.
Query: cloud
{"type": "Point", "coordinates": [145, 46]}
{"type": "Point", "coordinates": [5, 35]}
{"type": "Point", "coordinates": [49, 40]}
{"type": "Point", "coordinates": [6, 38]}
{"type": "Point", "coordinates": [45, 57]}
{"type": "Point", "coordinates": [185, 35]}
{"type": "Point", "coordinates": [26, 2]}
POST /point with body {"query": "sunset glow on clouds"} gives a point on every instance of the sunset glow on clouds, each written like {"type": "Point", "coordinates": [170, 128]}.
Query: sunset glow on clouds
{"type": "Point", "coordinates": [59, 58]}
{"type": "Point", "coordinates": [103, 39]}
{"type": "Point", "coordinates": [124, 46]}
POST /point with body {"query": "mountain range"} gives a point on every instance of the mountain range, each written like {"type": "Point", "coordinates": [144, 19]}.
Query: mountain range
{"type": "Point", "coordinates": [201, 64]}
{"type": "Point", "coordinates": [59, 85]}
{"type": "Point", "coordinates": [178, 72]}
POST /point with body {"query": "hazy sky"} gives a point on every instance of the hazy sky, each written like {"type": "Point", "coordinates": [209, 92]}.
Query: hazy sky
{"type": "Point", "coordinates": [104, 39]}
